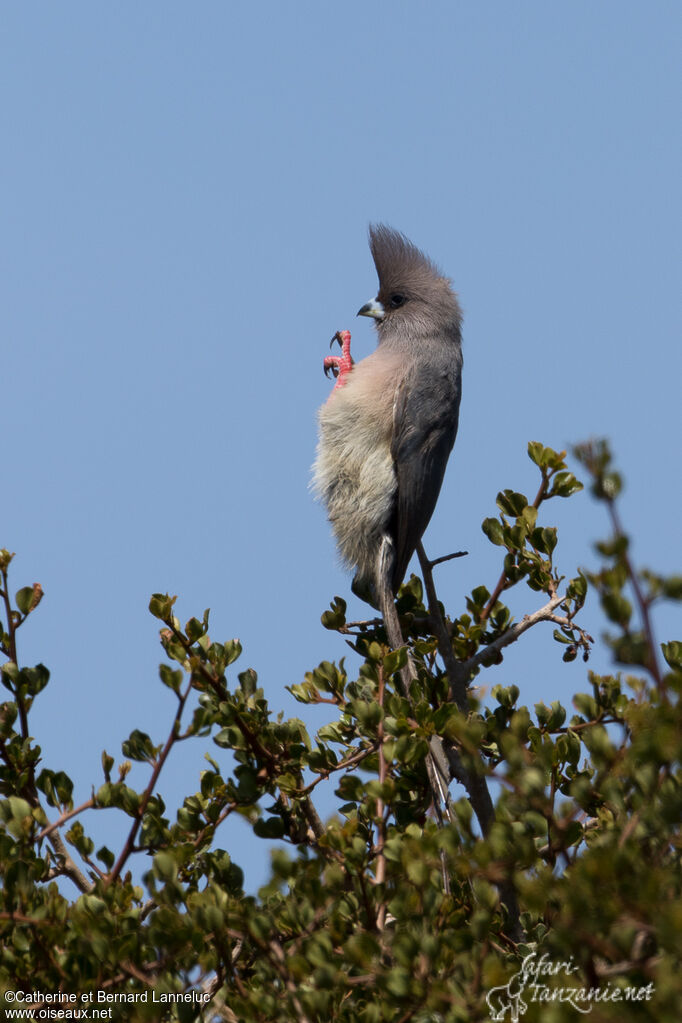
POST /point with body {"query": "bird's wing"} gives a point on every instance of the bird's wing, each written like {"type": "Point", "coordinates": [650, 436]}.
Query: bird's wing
{"type": "Point", "coordinates": [425, 417]}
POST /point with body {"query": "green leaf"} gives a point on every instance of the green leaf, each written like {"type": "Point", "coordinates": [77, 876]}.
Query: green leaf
{"type": "Point", "coordinates": [549, 538]}
{"type": "Point", "coordinates": [79, 840]}
{"type": "Point", "coordinates": [194, 630]}
{"type": "Point", "coordinates": [564, 484]}
{"type": "Point", "coordinates": [336, 617]}
{"type": "Point", "coordinates": [24, 599]}
{"type": "Point", "coordinates": [107, 764]}
{"type": "Point", "coordinates": [616, 547]}
{"type": "Point", "coordinates": [170, 678]}
{"type": "Point", "coordinates": [161, 605]}
{"type": "Point", "coordinates": [233, 650]}
{"type": "Point", "coordinates": [542, 714]}
{"type": "Point", "coordinates": [395, 660]}
{"type": "Point", "coordinates": [617, 608]}
{"type": "Point", "coordinates": [93, 904]}
{"type": "Point", "coordinates": [138, 746]}
{"type": "Point", "coordinates": [248, 682]}
{"type": "Point", "coordinates": [546, 458]}
{"type": "Point", "coordinates": [34, 679]}
{"type": "Point", "coordinates": [375, 652]}
{"type": "Point", "coordinates": [572, 833]}
{"type": "Point", "coordinates": [557, 716]}
{"type": "Point", "coordinates": [573, 747]}
{"type": "Point", "coordinates": [368, 714]}
{"type": "Point", "coordinates": [273, 827]}
{"type": "Point", "coordinates": [5, 559]}
{"type": "Point", "coordinates": [480, 595]}
{"type": "Point", "coordinates": [506, 696]}
{"type": "Point", "coordinates": [535, 449]}
{"type": "Point", "coordinates": [15, 809]}
{"type": "Point", "coordinates": [529, 515]}
{"type": "Point", "coordinates": [165, 866]}
{"type": "Point", "coordinates": [577, 588]}
{"type": "Point", "coordinates": [511, 503]}
{"type": "Point", "coordinates": [104, 795]}
{"type": "Point", "coordinates": [10, 675]}
{"type": "Point", "coordinates": [494, 530]}
{"type": "Point", "coordinates": [672, 587]}
{"type": "Point", "coordinates": [230, 737]}
{"type": "Point", "coordinates": [673, 654]}
{"type": "Point", "coordinates": [57, 786]}
{"type": "Point", "coordinates": [105, 856]}
{"type": "Point", "coordinates": [585, 705]}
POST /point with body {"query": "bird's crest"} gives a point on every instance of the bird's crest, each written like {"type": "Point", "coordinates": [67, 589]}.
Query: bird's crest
{"type": "Point", "coordinates": [396, 259]}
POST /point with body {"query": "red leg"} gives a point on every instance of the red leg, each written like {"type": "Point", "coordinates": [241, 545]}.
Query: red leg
{"type": "Point", "coordinates": [340, 365]}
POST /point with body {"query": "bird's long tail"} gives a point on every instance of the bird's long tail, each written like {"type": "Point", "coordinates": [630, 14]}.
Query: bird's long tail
{"type": "Point", "coordinates": [436, 761]}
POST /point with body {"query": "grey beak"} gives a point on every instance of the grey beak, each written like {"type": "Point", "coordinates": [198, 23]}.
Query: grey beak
{"type": "Point", "coordinates": [373, 309]}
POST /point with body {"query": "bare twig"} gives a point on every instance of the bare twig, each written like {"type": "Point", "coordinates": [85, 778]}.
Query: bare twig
{"type": "Point", "coordinates": [312, 816]}
{"type": "Point", "coordinates": [146, 796]}
{"type": "Point", "coordinates": [627, 966]}
{"type": "Point", "coordinates": [11, 624]}
{"type": "Point", "coordinates": [87, 805]}
{"type": "Point", "coordinates": [486, 654]}
{"type": "Point", "coordinates": [67, 866]}
{"type": "Point", "coordinates": [456, 678]}
{"type": "Point", "coordinates": [21, 919]}
{"type": "Point", "coordinates": [351, 761]}
{"type": "Point", "coordinates": [448, 557]}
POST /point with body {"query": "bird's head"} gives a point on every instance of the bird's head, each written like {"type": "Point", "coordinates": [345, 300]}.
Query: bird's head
{"type": "Point", "coordinates": [414, 299]}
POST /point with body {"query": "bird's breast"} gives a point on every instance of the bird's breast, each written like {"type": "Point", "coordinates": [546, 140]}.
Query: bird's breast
{"type": "Point", "coordinates": [366, 399]}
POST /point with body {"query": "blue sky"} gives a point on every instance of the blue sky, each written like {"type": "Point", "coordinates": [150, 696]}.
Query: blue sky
{"type": "Point", "coordinates": [186, 193]}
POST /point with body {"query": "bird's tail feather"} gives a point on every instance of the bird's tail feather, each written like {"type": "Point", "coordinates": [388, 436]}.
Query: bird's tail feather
{"type": "Point", "coordinates": [436, 762]}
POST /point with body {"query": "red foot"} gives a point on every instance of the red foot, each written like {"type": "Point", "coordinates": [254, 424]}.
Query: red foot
{"type": "Point", "coordinates": [339, 365]}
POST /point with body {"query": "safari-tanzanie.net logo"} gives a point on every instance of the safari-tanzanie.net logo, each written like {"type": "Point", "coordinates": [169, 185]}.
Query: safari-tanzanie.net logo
{"type": "Point", "coordinates": [541, 981]}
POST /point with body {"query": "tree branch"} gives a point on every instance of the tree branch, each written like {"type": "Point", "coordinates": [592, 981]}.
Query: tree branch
{"type": "Point", "coordinates": [87, 805]}
{"type": "Point", "coordinates": [457, 679]}
{"type": "Point", "coordinates": [67, 865]}
{"type": "Point", "coordinates": [351, 761]}
{"type": "Point", "coordinates": [486, 654]}
{"type": "Point", "coordinates": [170, 741]}
{"type": "Point", "coordinates": [448, 557]}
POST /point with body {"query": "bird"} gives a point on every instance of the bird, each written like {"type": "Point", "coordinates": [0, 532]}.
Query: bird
{"type": "Point", "coordinates": [388, 427]}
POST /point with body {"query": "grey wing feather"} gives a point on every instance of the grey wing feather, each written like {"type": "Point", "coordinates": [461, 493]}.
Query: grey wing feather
{"type": "Point", "coordinates": [425, 417]}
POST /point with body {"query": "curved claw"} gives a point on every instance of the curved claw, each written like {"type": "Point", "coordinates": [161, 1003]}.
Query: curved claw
{"type": "Point", "coordinates": [339, 365]}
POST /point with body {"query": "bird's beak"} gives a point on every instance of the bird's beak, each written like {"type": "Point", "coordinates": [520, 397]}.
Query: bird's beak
{"type": "Point", "coordinates": [373, 309]}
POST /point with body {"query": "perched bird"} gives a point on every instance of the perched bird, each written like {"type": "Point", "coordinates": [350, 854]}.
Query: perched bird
{"type": "Point", "coordinates": [388, 427]}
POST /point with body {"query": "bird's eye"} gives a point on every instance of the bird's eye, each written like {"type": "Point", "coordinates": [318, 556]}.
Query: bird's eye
{"type": "Point", "coordinates": [395, 301]}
